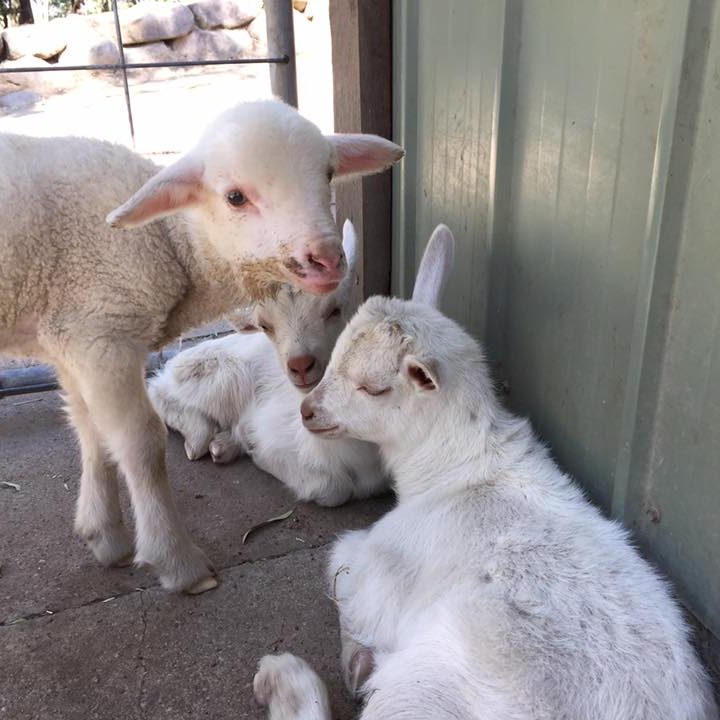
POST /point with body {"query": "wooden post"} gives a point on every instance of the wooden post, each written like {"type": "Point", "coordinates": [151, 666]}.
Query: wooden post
{"type": "Point", "coordinates": [362, 69]}
{"type": "Point", "coordinates": [281, 41]}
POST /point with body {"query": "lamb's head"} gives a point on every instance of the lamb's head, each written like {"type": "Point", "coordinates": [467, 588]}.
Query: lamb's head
{"type": "Point", "coordinates": [257, 190]}
{"type": "Point", "coordinates": [303, 327]}
{"type": "Point", "coordinates": [391, 365]}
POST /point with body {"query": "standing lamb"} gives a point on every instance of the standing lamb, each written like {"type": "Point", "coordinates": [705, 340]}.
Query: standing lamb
{"type": "Point", "coordinates": [247, 208]}
{"type": "Point", "coordinates": [494, 590]}
{"type": "Point", "coordinates": [241, 393]}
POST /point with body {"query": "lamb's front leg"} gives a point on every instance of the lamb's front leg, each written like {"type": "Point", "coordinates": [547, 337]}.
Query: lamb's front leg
{"type": "Point", "coordinates": [113, 389]}
{"type": "Point", "coordinates": [290, 689]}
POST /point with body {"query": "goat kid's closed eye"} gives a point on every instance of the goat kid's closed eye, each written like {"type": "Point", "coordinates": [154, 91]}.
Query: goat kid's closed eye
{"type": "Point", "coordinates": [372, 391]}
{"type": "Point", "coordinates": [334, 313]}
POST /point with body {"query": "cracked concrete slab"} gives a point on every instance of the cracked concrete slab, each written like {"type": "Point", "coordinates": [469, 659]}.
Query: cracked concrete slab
{"type": "Point", "coordinates": [144, 653]}
{"type": "Point", "coordinates": [151, 655]}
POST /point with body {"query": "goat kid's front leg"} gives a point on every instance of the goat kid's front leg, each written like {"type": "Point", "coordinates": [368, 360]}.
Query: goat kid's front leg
{"type": "Point", "coordinates": [121, 410]}
{"type": "Point", "coordinates": [98, 517]}
{"type": "Point", "coordinates": [290, 689]}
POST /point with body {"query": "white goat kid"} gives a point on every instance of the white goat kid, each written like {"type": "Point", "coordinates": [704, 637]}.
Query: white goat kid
{"type": "Point", "coordinates": [247, 208]}
{"type": "Point", "coordinates": [242, 393]}
{"type": "Point", "coordinates": [494, 590]}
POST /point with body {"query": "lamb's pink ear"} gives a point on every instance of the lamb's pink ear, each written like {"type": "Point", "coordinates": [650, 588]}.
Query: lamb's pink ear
{"type": "Point", "coordinates": [359, 154]}
{"type": "Point", "coordinates": [175, 187]}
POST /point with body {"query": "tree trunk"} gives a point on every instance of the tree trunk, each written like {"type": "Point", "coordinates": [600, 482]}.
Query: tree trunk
{"type": "Point", "coordinates": [26, 12]}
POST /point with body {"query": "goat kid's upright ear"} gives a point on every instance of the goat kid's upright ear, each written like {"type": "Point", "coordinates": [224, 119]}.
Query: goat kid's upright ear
{"type": "Point", "coordinates": [359, 154]}
{"type": "Point", "coordinates": [175, 187]}
{"type": "Point", "coordinates": [350, 243]}
{"type": "Point", "coordinates": [435, 267]}
{"type": "Point", "coordinates": [422, 373]}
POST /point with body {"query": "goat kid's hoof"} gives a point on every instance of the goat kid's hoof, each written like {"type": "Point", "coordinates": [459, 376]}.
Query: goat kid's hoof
{"type": "Point", "coordinates": [195, 452]}
{"type": "Point", "coordinates": [223, 449]}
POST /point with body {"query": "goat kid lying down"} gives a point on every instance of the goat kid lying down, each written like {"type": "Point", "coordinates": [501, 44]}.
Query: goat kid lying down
{"type": "Point", "coordinates": [242, 394]}
{"type": "Point", "coordinates": [494, 590]}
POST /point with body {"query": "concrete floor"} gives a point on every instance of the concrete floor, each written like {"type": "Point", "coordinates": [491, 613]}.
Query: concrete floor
{"type": "Point", "coordinates": [80, 642]}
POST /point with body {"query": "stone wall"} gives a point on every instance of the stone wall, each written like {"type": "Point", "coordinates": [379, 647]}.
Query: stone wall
{"type": "Point", "coordinates": [151, 31]}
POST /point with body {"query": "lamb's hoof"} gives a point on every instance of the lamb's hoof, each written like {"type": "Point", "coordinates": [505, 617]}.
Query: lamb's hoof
{"type": "Point", "coordinates": [111, 546]}
{"type": "Point", "coordinates": [188, 571]}
{"type": "Point", "coordinates": [208, 583]}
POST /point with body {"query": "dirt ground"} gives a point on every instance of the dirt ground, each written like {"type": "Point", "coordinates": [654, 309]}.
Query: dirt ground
{"type": "Point", "coordinates": [78, 642]}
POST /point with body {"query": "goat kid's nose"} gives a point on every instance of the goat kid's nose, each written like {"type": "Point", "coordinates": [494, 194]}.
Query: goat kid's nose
{"type": "Point", "coordinates": [301, 364]}
{"type": "Point", "coordinates": [306, 410]}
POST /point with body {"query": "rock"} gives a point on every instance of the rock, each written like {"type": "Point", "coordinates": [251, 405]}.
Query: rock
{"type": "Point", "coordinates": [89, 42]}
{"type": "Point", "coordinates": [100, 52]}
{"type": "Point", "coordinates": [213, 45]}
{"type": "Point", "coordinates": [45, 83]}
{"type": "Point", "coordinates": [211, 14]}
{"type": "Point", "coordinates": [18, 100]}
{"type": "Point", "coordinates": [44, 40]}
{"type": "Point", "coordinates": [243, 41]}
{"type": "Point", "coordinates": [151, 21]}
{"type": "Point", "coordinates": [150, 52]}
{"type": "Point", "coordinates": [300, 5]}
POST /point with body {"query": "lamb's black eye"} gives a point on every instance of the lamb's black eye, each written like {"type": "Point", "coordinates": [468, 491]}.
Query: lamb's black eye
{"type": "Point", "coordinates": [330, 174]}
{"type": "Point", "coordinates": [236, 198]}
{"type": "Point", "coordinates": [269, 329]}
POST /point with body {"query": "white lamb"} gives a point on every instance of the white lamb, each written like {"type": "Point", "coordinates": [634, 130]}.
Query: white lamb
{"type": "Point", "coordinates": [242, 393]}
{"type": "Point", "coordinates": [494, 590]}
{"type": "Point", "coordinates": [247, 208]}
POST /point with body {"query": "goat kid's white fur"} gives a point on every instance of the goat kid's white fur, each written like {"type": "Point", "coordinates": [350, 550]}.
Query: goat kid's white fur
{"type": "Point", "coordinates": [246, 209]}
{"type": "Point", "coordinates": [240, 394]}
{"type": "Point", "coordinates": [494, 590]}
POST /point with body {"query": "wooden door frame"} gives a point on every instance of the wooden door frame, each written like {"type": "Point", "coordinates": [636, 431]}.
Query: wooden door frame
{"type": "Point", "coordinates": [361, 32]}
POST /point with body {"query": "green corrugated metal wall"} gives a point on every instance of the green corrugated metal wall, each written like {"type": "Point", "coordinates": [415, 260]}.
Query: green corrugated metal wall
{"type": "Point", "coordinates": [573, 148]}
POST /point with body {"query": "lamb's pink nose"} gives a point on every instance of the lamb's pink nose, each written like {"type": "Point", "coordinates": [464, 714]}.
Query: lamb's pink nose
{"type": "Point", "coordinates": [300, 365]}
{"type": "Point", "coordinates": [325, 263]}
{"type": "Point", "coordinates": [324, 260]}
